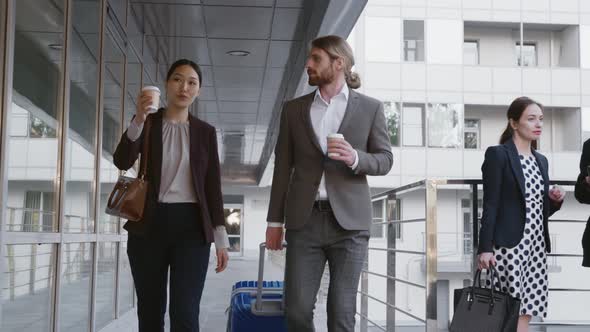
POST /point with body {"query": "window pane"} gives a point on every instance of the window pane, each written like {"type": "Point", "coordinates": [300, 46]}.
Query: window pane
{"type": "Point", "coordinates": [382, 39]}
{"type": "Point", "coordinates": [445, 123]}
{"type": "Point", "coordinates": [126, 287]}
{"type": "Point", "coordinates": [377, 230]}
{"type": "Point", "coordinates": [111, 129]}
{"type": "Point", "coordinates": [134, 34]}
{"type": "Point", "coordinates": [414, 40]}
{"type": "Point", "coordinates": [392, 116]}
{"type": "Point", "coordinates": [413, 125]}
{"type": "Point", "coordinates": [28, 288]}
{"type": "Point", "coordinates": [529, 54]}
{"type": "Point", "coordinates": [472, 132]}
{"type": "Point", "coordinates": [36, 79]}
{"type": "Point", "coordinates": [471, 52]}
{"type": "Point", "coordinates": [76, 276]}
{"type": "Point", "coordinates": [81, 145]}
{"type": "Point", "coordinates": [105, 284]}
{"type": "Point", "coordinates": [471, 140]}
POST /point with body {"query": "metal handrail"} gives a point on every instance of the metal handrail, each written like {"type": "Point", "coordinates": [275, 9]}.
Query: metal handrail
{"type": "Point", "coordinates": [430, 254]}
{"type": "Point", "coordinates": [394, 278]}
{"type": "Point", "coordinates": [394, 222]}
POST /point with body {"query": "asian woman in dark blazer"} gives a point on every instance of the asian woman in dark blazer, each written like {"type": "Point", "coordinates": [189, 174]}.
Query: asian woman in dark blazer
{"type": "Point", "coordinates": [583, 196]}
{"type": "Point", "coordinates": [184, 207]}
{"type": "Point", "coordinates": [517, 203]}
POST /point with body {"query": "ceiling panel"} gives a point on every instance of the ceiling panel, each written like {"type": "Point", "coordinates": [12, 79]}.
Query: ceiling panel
{"type": "Point", "coordinates": [207, 93]}
{"type": "Point", "coordinates": [174, 20]}
{"type": "Point", "coordinates": [250, 108]}
{"type": "Point", "coordinates": [237, 118]}
{"type": "Point", "coordinates": [207, 106]}
{"type": "Point", "coordinates": [241, 3]}
{"type": "Point", "coordinates": [238, 22]}
{"type": "Point", "coordinates": [235, 77]}
{"type": "Point", "coordinates": [238, 94]}
{"type": "Point", "coordinates": [284, 25]}
{"type": "Point", "coordinates": [187, 2]}
{"type": "Point", "coordinates": [273, 78]}
{"type": "Point", "coordinates": [86, 16]}
{"type": "Point", "coordinates": [290, 3]}
{"type": "Point", "coordinates": [269, 94]}
{"type": "Point", "coordinates": [191, 48]}
{"type": "Point", "coordinates": [257, 48]}
{"type": "Point", "coordinates": [279, 53]}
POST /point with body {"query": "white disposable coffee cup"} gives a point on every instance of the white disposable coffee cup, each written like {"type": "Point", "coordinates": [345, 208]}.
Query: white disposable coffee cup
{"type": "Point", "coordinates": [154, 93]}
{"type": "Point", "coordinates": [331, 137]}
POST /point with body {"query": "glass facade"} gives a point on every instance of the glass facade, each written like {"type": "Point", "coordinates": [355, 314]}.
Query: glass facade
{"type": "Point", "coordinates": [63, 260]}
{"type": "Point", "coordinates": [36, 78]}
{"type": "Point", "coordinates": [28, 282]}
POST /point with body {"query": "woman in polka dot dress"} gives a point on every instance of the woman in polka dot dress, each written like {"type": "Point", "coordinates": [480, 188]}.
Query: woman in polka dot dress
{"type": "Point", "coordinates": [517, 204]}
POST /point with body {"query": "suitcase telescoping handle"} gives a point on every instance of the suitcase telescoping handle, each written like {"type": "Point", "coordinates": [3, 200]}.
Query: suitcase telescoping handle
{"type": "Point", "coordinates": [258, 305]}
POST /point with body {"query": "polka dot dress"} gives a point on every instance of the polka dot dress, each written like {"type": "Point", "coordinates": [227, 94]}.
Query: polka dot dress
{"type": "Point", "coordinates": [523, 269]}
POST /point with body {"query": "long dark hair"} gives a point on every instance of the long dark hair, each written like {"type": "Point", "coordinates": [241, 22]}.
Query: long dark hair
{"type": "Point", "coordinates": [515, 112]}
{"type": "Point", "coordinates": [185, 62]}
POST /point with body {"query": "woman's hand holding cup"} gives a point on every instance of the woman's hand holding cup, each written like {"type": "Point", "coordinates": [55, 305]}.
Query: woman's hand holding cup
{"type": "Point", "coordinates": [147, 102]}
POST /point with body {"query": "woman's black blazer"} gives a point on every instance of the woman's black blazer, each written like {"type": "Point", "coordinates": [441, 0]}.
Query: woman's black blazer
{"type": "Point", "coordinates": [583, 196]}
{"type": "Point", "coordinates": [204, 162]}
{"type": "Point", "coordinates": [504, 208]}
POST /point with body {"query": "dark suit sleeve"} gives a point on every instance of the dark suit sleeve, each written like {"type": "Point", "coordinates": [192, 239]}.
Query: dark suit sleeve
{"type": "Point", "coordinates": [491, 170]}
{"type": "Point", "coordinates": [582, 191]}
{"type": "Point", "coordinates": [282, 171]}
{"type": "Point", "coordinates": [378, 159]}
{"type": "Point", "coordinates": [127, 152]}
{"type": "Point", "coordinates": [213, 183]}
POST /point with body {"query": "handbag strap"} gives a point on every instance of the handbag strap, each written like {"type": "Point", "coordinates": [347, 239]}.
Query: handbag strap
{"type": "Point", "coordinates": [492, 274]}
{"type": "Point", "coordinates": [145, 148]}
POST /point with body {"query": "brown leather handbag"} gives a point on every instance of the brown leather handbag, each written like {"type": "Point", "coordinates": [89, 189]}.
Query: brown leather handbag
{"type": "Point", "coordinates": [127, 200]}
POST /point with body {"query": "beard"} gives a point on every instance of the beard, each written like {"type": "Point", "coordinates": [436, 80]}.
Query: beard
{"type": "Point", "coordinates": [322, 78]}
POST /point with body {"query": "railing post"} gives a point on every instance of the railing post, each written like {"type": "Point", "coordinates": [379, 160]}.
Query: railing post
{"type": "Point", "coordinates": [364, 299]}
{"type": "Point", "coordinates": [391, 244]}
{"type": "Point", "coordinates": [431, 256]}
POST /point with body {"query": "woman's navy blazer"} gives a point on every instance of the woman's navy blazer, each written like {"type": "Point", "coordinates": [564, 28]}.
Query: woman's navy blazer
{"type": "Point", "coordinates": [504, 208]}
{"type": "Point", "coordinates": [582, 193]}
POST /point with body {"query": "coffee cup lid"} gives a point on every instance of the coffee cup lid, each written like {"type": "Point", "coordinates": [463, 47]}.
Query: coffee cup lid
{"type": "Point", "coordinates": [150, 87]}
{"type": "Point", "coordinates": [335, 135]}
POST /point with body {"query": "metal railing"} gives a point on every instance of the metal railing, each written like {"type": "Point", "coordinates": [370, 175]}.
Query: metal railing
{"type": "Point", "coordinates": [30, 220]}
{"type": "Point", "coordinates": [426, 226]}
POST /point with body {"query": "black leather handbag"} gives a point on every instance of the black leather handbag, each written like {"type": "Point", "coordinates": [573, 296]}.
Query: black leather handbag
{"type": "Point", "coordinates": [479, 309]}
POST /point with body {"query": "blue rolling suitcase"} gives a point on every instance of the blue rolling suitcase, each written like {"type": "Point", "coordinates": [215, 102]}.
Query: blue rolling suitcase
{"type": "Point", "coordinates": [257, 306]}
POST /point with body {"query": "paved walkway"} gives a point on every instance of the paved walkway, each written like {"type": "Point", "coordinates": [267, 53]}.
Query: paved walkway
{"type": "Point", "coordinates": [217, 294]}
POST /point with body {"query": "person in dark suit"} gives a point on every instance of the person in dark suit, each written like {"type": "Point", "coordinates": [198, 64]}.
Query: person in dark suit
{"type": "Point", "coordinates": [582, 193]}
{"type": "Point", "coordinates": [517, 203]}
{"type": "Point", "coordinates": [184, 206]}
